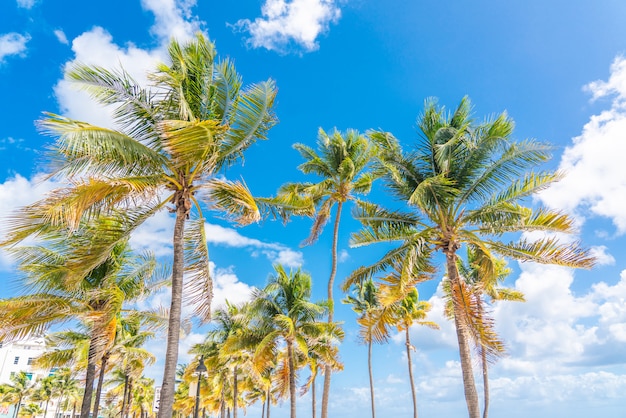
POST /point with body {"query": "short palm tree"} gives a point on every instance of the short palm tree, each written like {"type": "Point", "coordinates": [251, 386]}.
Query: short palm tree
{"type": "Point", "coordinates": [341, 161]}
{"type": "Point", "coordinates": [290, 318]}
{"type": "Point", "coordinates": [366, 304]}
{"type": "Point", "coordinates": [465, 184]}
{"type": "Point", "coordinates": [15, 392]}
{"type": "Point", "coordinates": [171, 143]}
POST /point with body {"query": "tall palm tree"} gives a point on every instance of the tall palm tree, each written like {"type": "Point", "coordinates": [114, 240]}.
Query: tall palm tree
{"type": "Point", "coordinates": [95, 301]}
{"type": "Point", "coordinates": [172, 141]}
{"type": "Point", "coordinates": [465, 184]}
{"type": "Point", "coordinates": [291, 319]}
{"type": "Point", "coordinates": [365, 303]}
{"type": "Point", "coordinates": [341, 161]}
{"type": "Point", "coordinates": [44, 391]}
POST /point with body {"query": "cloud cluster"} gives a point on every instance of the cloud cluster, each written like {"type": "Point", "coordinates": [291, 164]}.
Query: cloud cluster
{"type": "Point", "coordinates": [12, 44]}
{"type": "Point", "coordinates": [284, 22]}
{"type": "Point", "coordinates": [596, 174]}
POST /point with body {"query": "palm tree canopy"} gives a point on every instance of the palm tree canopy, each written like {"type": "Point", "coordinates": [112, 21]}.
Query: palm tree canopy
{"type": "Point", "coordinates": [466, 183]}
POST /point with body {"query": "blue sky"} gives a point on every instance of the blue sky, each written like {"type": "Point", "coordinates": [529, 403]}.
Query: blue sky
{"type": "Point", "coordinates": [556, 67]}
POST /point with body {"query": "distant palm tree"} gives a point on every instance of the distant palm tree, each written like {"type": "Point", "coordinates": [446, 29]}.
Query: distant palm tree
{"type": "Point", "coordinates": [365, 303]}
{"type": "Point", "coordinates": [342, 161]}
{"type": "Point", "coordinates": [14, 392]}
{"type": "Point", "coordinates": [465, 185]}
{"type": "Point", "coordinates": [173, 141]}
{"type": "Point", "coordinates": [292, 319]}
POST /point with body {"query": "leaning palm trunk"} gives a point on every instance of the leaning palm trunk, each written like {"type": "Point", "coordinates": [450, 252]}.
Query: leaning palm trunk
{"type": "Point", "coordinates": [331, 283]}
{"type": "Point", "coordinates": [173, 329]}
{"type": "Point", "coordinates": [408, 356]}
{"type": "Point", "coordinates": [469, 386]}
{"type": "Point", "coordinates": [90, 375]}
{"type": "Point", "coordinates": [96, 404]}
{"type": "Point", "coordinates": [485, 365]}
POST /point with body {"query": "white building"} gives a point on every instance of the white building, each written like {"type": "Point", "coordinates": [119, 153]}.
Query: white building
{"type": "Point", "coordinates": [18, 356]}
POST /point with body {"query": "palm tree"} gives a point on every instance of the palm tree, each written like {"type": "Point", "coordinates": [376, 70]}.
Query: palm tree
{"type": "Point", "coordinates": [290, 318]}
{"type": "Point", "coordinates": [465, 184]}
{"type": "Point", "coordinates": [96, 300]}
{"type": "Point", "coordinates": [478, 286]}
{"type": "Point", "coordinates": [365, 303]}
{"type": "Point", "coordinates": [408, 311]}
{"type": "Point", "coordinates": [14, 392]}
{"type": "Point", "coordinates": [44, 391]}
{"type": "Point", "coordinates": [341, 160]}
{"type": "Point", "coordinates": [172, 142]}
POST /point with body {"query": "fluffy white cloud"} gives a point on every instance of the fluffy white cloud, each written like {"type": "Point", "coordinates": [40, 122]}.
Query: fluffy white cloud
{"type": "Point", "coordinates": [12, 44]}
{"type": "Point", "coordinates": [97, 47]}
{"type": "Point", "coordinates": [173, 19]}
{"type": "Point", "coordinates": [299, 21]}
{"type": "Point", "coordinates": [596, 173]}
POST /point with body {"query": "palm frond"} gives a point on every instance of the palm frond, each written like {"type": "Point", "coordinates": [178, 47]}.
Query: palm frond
{"type": "Point", "coordinates": [199, 285]}
{"type": "Point", "coordinates": [234, 199]}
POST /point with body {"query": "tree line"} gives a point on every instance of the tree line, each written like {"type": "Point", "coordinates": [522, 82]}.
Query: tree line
{"type": "Point", "coordinates": [462, 188]}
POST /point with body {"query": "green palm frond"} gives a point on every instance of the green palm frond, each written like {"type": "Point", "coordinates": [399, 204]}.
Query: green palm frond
{"type": "Point", "coordinates": [84, 148]}
{"type": "Point", "coordinates": [546, 251]}
{"type": "Point", "coordinates": [192, 145]}
{"type": "Point", "coordinates": [234, 199]}
{"type": "Point", "coordinates": [251, 119]}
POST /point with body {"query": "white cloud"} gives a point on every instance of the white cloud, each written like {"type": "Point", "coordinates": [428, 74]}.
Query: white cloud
{"type": "Point", "coordinates": [173, 19]}
{"type": "Point", "coordinates": [25, 4]}
{"type": "Point", "coordinates": [603, 258]}
{"type": "Point", "coordinates": [299, 21]}
{"type": "Point", "coordinates": [61, 36]}
{"type": "Point", "coordinates": [12, 44]}
{"type": "Point", "coordinates": [594, 163]}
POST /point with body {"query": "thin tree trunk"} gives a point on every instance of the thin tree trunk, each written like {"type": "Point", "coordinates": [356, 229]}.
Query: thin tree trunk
{"type": "Point", "coordinates": [235, 394]}
{"type": "Point", "coordinates": [74, 410]}
{"type": "Point", "coordinates": [17, 408]}
{"type": "Point", "coordinates": [408, 356]}
{"type": "Point", "coordinates": [331, 310]}
{"type": "Point", "coordinates": [371, 373]}
{"type": "Point", "coordinates": [292, 379]}
{"type": "Point", "coordinates": [469, 386]}
{"type": "Point", "coordinates": [313, 397]}
{"type": "Point", "coordinates": [173, 329]}
{"type": "Point", "coordinates": [45, 411]}
{"type": "Point", "coordinates": [96, 403]}
{"type": "Point", "coordinates": [483, 358]}
{"type": "Point", "coordinates": [90, 375]}
{"type": "Point", "coordinates": [269, 400]}
{"type": "Point", "coordinates": [124, 397]}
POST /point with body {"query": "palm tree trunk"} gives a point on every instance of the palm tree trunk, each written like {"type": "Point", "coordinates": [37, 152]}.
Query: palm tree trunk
{"type": "Point", "coordinates": [269, 400]}
{"type": "Point", "coordinates": [45, 411]}
{"type": "Point", "coordinates": [331, 310]}
{"type": "Point", "coordinates": [313, 397]}
{"type": "Point", "coordinates": [235, 394]}
{"type": "Point", "coordinates": [96, 403]}
{"type": "Point", "coordinates": [483, 359]}
{"type": "Point", "coordinates": [408, 356]}
{"type": "Point", "coordinates": [17, 408]}
{"type": "Point", "coordinates": [292, 379]}
{"type": "Point", "coordinates": [90, 375]}
{"type": "Point", "coordinates": [124, 396]}
{"type": "Point", "coordinates": [371, 373]}
{"type": "Point", "coordinates": [173, 329]}
{"type": "Point", "coordinates": [469, 386]}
